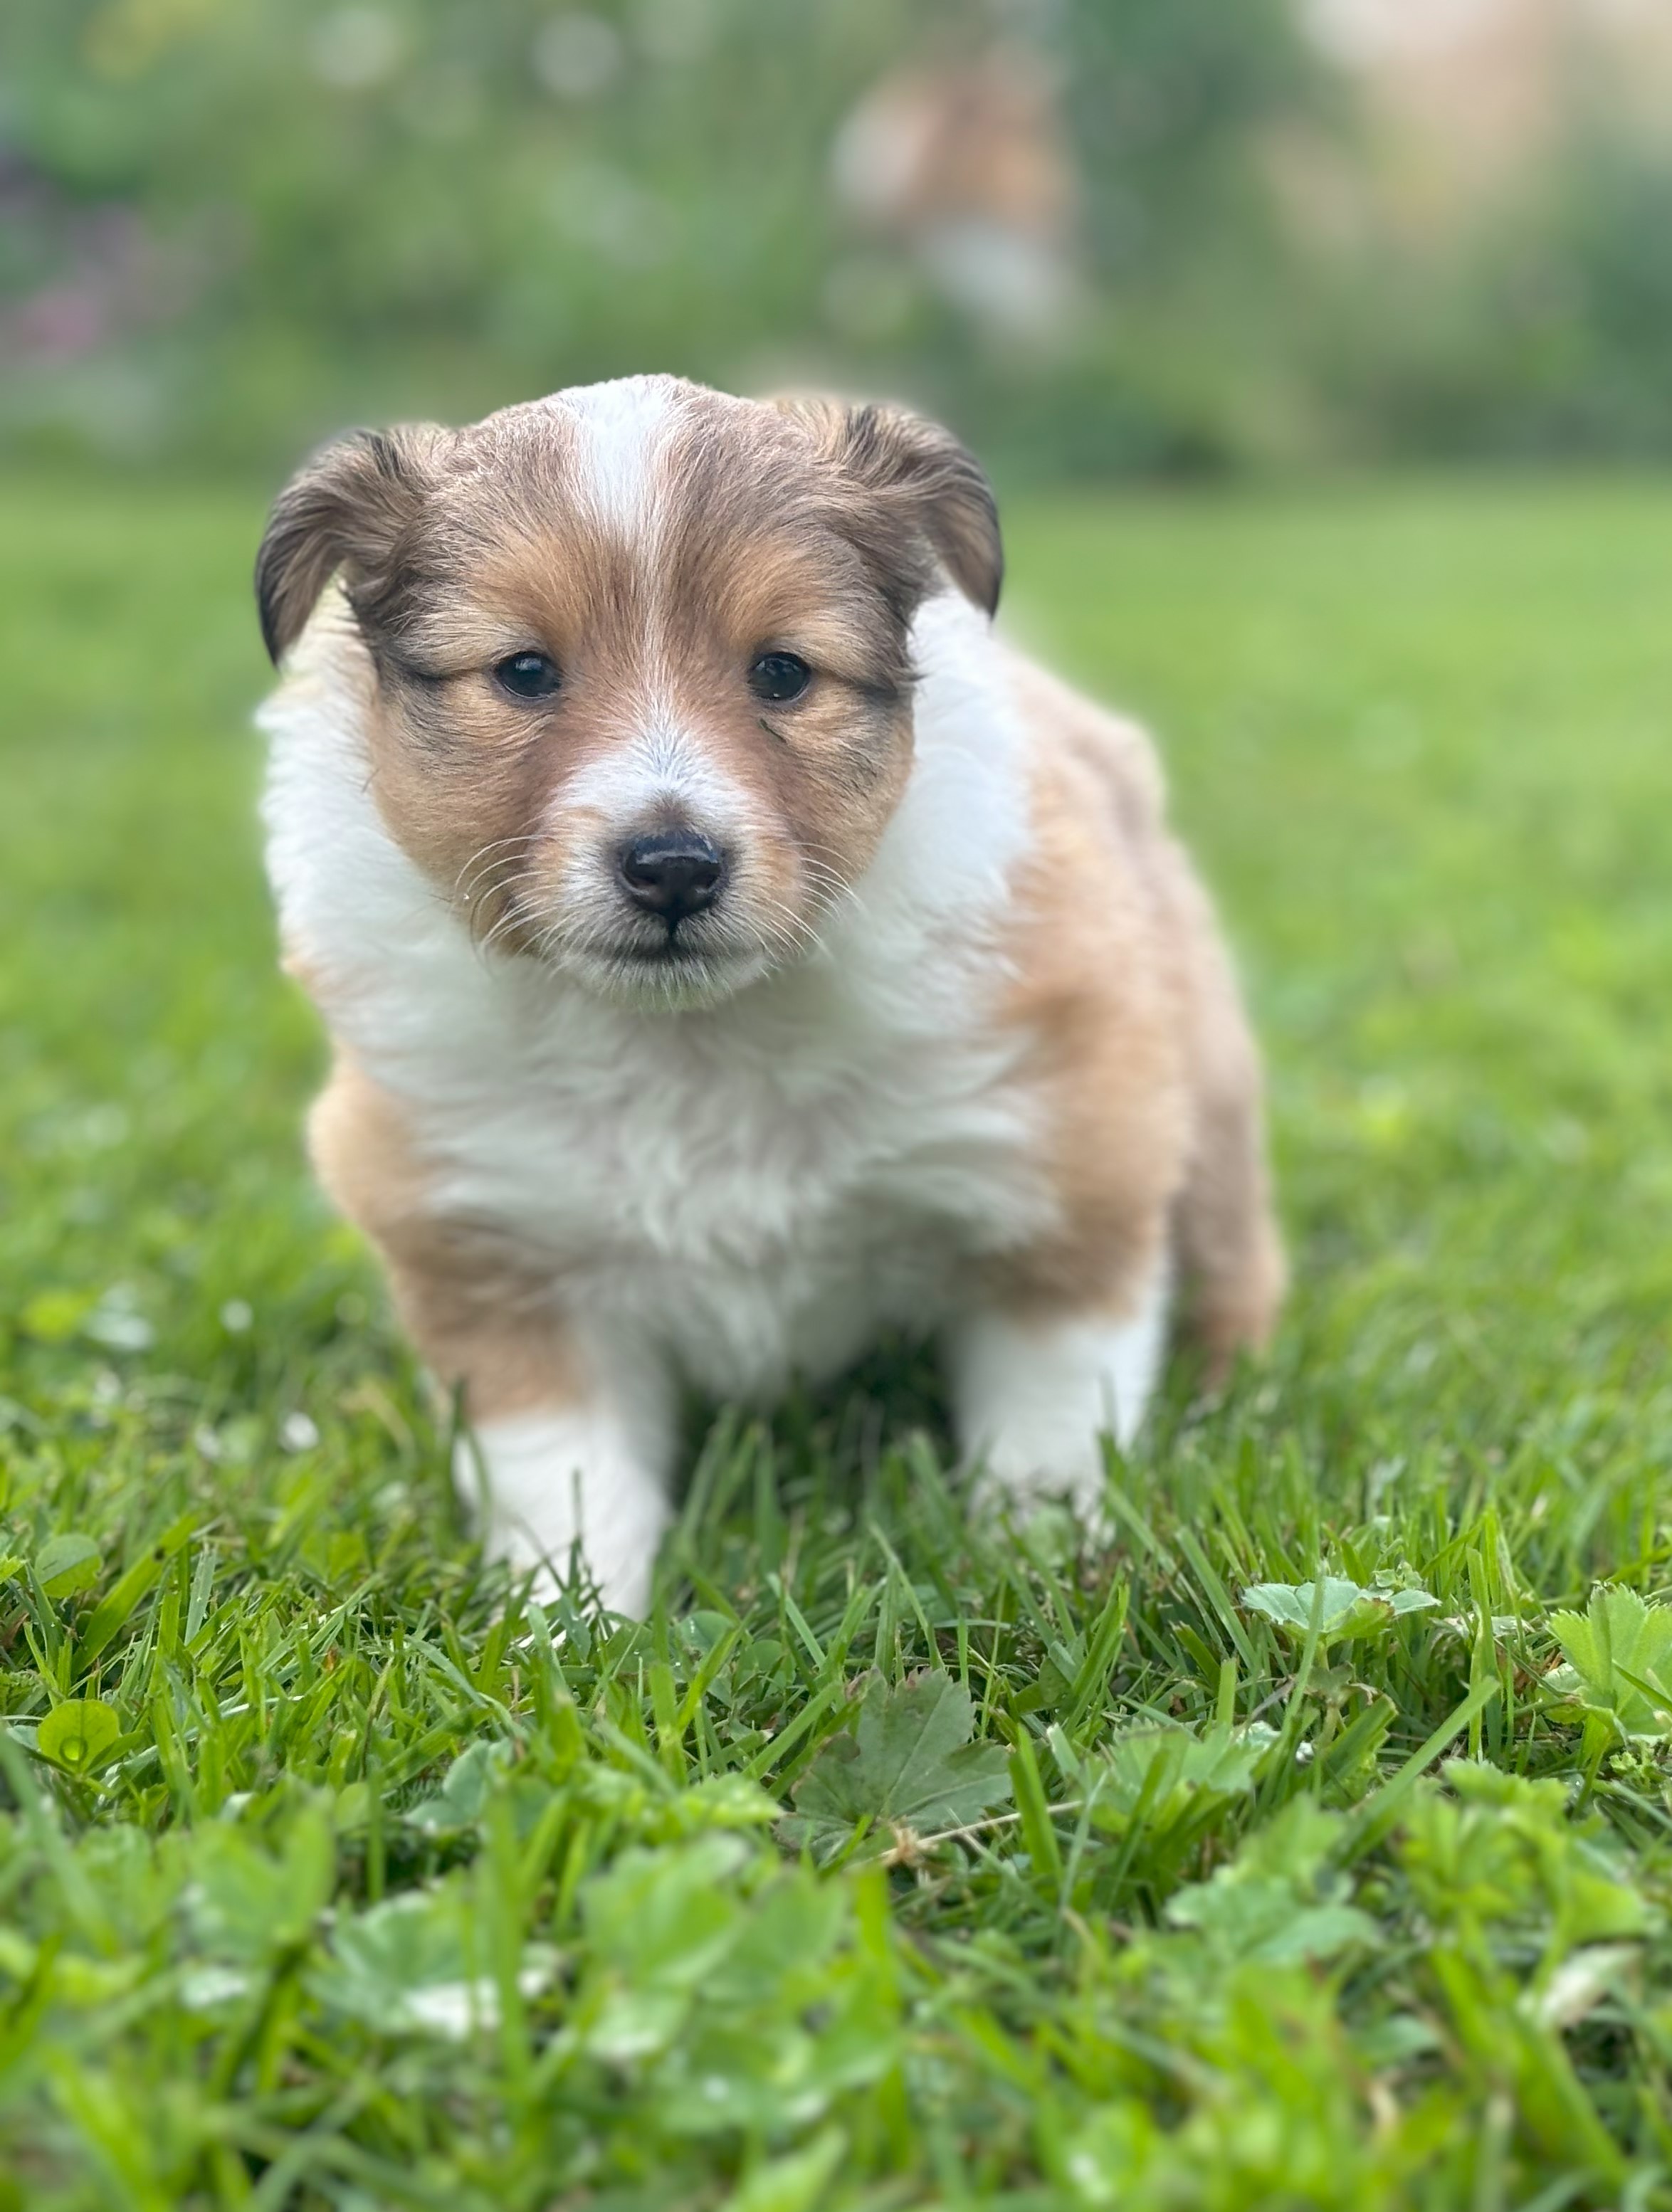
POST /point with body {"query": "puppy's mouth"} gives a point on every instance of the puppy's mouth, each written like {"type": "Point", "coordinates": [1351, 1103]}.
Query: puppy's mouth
{"type": "Point", "coordinates": [689, 966]}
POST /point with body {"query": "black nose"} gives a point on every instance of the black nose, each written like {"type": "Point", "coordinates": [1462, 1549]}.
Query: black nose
{"type": "Point", "coordinates": [673, 872]}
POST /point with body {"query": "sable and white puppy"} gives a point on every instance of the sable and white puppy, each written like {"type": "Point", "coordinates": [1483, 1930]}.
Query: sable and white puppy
{"type": "Point", "coordinates": [731, 948]}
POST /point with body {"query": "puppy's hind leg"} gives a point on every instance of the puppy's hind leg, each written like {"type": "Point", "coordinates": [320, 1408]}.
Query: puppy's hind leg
{"type": "Point", "coordinates": [1230, 1254]}
{"type": "Point", "coordinates": [1034, 1393]}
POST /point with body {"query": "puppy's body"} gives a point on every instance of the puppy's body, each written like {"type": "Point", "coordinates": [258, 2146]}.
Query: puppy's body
{"type": "Point", "coordinates": [954, 1047]}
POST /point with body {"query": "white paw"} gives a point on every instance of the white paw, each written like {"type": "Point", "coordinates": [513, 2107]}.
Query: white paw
{"type": "Point", "coordinates": [1034, 1398]}
{"type": "Point", "coordinates": [1012, 1472]}
{"type": "Point", "coordinates": [549, 1481]}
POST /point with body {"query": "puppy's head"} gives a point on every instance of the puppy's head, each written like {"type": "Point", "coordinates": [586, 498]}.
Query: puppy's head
{"type": "Point", "coordinates": [642, 696]}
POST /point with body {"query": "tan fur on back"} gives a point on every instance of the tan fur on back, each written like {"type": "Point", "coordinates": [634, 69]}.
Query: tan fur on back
{"type": "Point", "coordinates": [1139, 1043]}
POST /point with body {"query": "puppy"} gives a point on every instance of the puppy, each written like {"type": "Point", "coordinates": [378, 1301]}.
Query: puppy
{"type": "Point", "coordinates": [731, 948]}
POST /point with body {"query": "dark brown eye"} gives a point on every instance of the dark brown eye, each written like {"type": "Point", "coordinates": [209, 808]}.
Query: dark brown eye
{"type": "Point", "coordinates": [527, 675]}
{"type": "Point", "coordinates": [779, 676]}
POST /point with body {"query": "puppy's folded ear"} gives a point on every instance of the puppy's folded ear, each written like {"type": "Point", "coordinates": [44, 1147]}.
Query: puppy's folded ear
{"type": "Point", "coordinates": [922, 481]}
{"type": "Point", "coordinates": [353, 507]}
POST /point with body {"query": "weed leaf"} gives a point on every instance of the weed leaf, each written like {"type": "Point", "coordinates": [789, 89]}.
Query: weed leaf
{"type": "Point", "coordinates": [407, 1963]}
{"type": "Point", "coordinates": [76, 1734]}
{"type": "Point", "coordinates": [1280, 1902]}
{"type": "Point", "coordinates": [1166, 1770]}
{"type": "Point", "coordinates": [908, 1764]}
{"type": "Point", "coordinates": [1618, 1650]}
{"type": "Point", "coordinates": [1347, 1610]}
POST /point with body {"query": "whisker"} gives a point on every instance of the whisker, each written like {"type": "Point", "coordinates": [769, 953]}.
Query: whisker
{"type": "Point", "coordinates": [478, 859]}
{"type": "Point", "coordinates": [512, 915]}
{"type": "Point", "coordinates": [831, 891]}
{"type": "Point", "coordinates": [799, 934]}
{"type": "Point", "coordinates": [829, 877]}
{"type": "Point", "coordinates": [496, 878]}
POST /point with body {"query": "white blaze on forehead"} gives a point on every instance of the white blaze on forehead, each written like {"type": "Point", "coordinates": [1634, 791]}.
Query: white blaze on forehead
{"type": "Point", "coordinates": [621, 428]}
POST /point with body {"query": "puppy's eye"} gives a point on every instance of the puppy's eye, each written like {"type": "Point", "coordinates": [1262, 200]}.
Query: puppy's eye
{"type": "Point", "coordinates": [779, 676]}
{"type": "Point", "coordinates": [527, 676]}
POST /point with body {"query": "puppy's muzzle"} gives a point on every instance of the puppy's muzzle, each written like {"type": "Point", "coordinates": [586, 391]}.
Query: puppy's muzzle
{"type": "Point", "coordinates": [671, 874]}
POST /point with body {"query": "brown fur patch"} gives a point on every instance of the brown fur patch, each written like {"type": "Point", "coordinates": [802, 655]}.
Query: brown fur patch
{"type": "Point", "coordinates": [354, 507]}
{"type": "Point", "coordinates": [921, 493]}
{"type": "Point", "coordinates": [484, 1321]}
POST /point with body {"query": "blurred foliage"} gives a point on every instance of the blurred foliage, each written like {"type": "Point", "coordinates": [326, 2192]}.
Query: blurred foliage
{"type": "Point", "coordinates": [1544, 333]}
{"type": "Point", "coordinates": [230, 226]}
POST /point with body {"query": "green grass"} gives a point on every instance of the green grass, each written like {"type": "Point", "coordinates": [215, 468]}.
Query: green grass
{"type": "Point", "coordinates": [333, 1875]}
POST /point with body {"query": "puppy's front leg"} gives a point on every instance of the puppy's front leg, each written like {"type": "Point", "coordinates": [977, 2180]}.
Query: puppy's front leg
{"type": "Point", "coordinates": [590, 1468]}
{"type": "Point", "coordinates": [1033, 1391]}
{"type": "Point", "coordinates": [571, 1425]}
{"type": "Point", "coordinates": [571, 1431]}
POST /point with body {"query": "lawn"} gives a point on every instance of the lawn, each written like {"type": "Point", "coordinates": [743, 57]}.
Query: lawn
{"type": "Point", "coordinates": [1308, 1844]}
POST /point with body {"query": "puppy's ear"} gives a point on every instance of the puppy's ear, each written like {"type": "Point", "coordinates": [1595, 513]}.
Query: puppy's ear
{"type": "Point", "coordinates": [921, 478]}
{"type": "Point", "coordinates": [352, 507]}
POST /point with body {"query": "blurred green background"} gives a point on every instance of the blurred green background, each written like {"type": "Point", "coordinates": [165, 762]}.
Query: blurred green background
{"type": "Point", "coordinates": [1101, 236]}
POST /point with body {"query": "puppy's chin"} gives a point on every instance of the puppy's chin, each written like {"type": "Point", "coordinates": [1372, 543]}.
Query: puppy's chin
{"type": "Point", "coordinates": [670, 980]}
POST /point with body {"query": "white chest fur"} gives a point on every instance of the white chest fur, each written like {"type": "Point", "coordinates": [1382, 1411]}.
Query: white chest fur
{"type": "Point", "coordinates": [755, 1187]}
